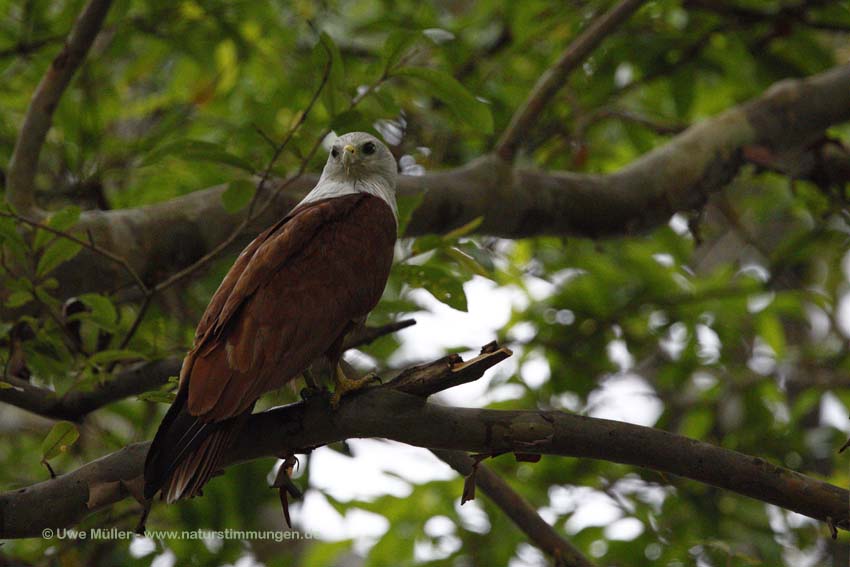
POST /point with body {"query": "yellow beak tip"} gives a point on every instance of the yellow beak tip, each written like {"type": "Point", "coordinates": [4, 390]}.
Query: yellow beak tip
{"type": "Point", "coordinates": [349, 148]}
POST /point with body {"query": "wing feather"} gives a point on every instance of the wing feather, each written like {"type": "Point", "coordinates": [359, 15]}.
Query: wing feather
{"type": "Point", "coordinates": [288, 299]}
{"type": "Point", "coordinates": [296, 293]}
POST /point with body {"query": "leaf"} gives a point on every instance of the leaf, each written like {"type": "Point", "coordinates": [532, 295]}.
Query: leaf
{"type": "Point", "coordinates": [157, 396]}
{"type": "Point", "coordinates": [115, 355]}
{"type": "Point", "coordinates": [481, 256]}
{"type": "Point", "coordinates": [425, 243]}
{"type": "Point", "coordinates": [5, 385]}
{"type": "Point", "coordinates": [446, 88]}
{"type": "Point", "coordinates": [198, 150]}
{"type": "Point", "coordinates": [103, 312]}
{"type": "Point", "coordinates": [60, 251]}
{"type": "Point", "coordinates": [770, 329]}
{"type": "Point", "coordinates": [165, 394]}
{"type": "Point", "coordinates": [61, 436]}
{"type": "Point", "coordinates": [683, 89]}
{"type": "Point", "coordinates": [60, 220]}
{"type": "Point", "coordinates": [396, 46]}
{"type": "Point", "coordinates": [440, 283]}
{"type": "Point", "coordinates": [18, 298]}
{"type": "Point", "coordinates": [466, 261]}
{"type": "Point", "coordinates": [349, 121]}
{"type": "Point", "coordinates": [464, 229]}
{"type": "Point", "coordinates": [332, 96]}
{"type": "Point", "coordinates": [438, 35]}
{"type": "Point", "coordinates": [237, 195]}
{"type": "Point", "coordinates": [407, 205]}
{"type": "Point", "coordinates": [10, 236]}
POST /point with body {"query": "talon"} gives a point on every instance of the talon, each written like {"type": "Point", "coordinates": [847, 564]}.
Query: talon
{"type": "Point", "coordinates": [345, 385]}
{"type": "Point", "coordinates": [373, 377]}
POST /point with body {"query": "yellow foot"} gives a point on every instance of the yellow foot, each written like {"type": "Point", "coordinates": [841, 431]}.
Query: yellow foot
{"type": "Point", "coordinates": [345, 385]}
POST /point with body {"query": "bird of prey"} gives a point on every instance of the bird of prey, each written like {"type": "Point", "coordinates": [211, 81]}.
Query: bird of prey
{"type": "Point", "coordinates": [291, 297]}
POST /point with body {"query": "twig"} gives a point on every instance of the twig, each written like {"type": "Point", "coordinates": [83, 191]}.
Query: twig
{"type": "Point", "coordinates": [88, 244]}
{"type": "Point", "coordinates": [39, 116]}
{"type": "Point", "coordinates": [554, 78]}
{"type": "Point", "coordinates": [516, 508]}
{"type": "Point", "coordinates": [368, 335]}
{"type": "Point", "coordinates": [26, 47]}
{"type": "Point", "coordinates": [658, 126]}
{"type": "Point", "coordinates": [143, 308]}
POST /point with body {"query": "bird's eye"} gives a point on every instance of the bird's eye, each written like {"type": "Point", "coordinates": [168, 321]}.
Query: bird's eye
{"type": "Point", "coordinates": [369, 148]}
{"type": "Point", "coordinates": [335, 152]}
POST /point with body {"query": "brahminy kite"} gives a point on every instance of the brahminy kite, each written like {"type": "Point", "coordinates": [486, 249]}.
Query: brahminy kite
{"type": "Point", "coordinates": [291, 297]}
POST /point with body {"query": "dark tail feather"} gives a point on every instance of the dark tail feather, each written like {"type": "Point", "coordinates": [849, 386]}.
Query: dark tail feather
{"type": "Point", "coordinates": [185, 452]}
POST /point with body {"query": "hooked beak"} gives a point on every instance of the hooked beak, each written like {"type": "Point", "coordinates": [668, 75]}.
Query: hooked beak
{"type": "Point", "coordinates": [348, 155]}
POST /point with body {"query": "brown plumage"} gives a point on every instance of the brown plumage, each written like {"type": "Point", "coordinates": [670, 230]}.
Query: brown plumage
{"type": "Point", "coordinates": [289, 298]}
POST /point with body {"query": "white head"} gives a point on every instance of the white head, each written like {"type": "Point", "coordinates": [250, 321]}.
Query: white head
{"type": "Point", "coordinates": [358, 163]}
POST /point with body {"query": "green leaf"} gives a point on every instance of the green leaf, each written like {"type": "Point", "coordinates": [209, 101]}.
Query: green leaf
{"type": "Point", "coordinates": [5, 385]}
{"type": "Point", "coordinates": [407, 204]}
{"type": "Point", "coordinates": [117, 355]}
{"type": "Point", "coordinates": [61, 436]}
{"type": "Point", "coordinates": [103, 312]}
{"type": "Point", "coordinates": [466, 261]}
{"type": "Point", "coordinates": [60, 220]}
{"type": "Point", "coordinates": [237, 195]}
{"type": "Point", "coordinates": [61, 250]}
{"type": "Point", "coordinates": [18, 298]}
{"type": "Point", "coordinates": [349, 121]}
{"type": "Point", "coordinates": [465, 229]}
{"type": "Point", "coordinates": [770, 329]}
{"type": "Point", "coordinates": [395, 47]}
{"type": "Point", "coordinates": [198, 150]}
{"type": "Point", "coordinates": [327, 553]}
{"type": "Point", "coordinates": [332, 95]}
{"type": "Point", "coordinates": [683, 89]}
{"type": "Point", "coordinates": [481, 256]}
{"type": "Point", "coordinates": [65, 218]}
{"type": "Point", "coordinates": [439, 282]}
{"type": "Point", "coordinates": [9, 234]}
{"type": "Point", "coordinates": [425, 243]}
{"type": "Point", "coordinates": [446, 88]}
{"type": "Point", "coordinates": [165, 394]}
{"type": "Point", "coordinates": [157, 396]}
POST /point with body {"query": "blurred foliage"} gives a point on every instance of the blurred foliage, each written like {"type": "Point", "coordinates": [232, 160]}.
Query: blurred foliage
{"type": "Point", "coordinates": [729, 321]}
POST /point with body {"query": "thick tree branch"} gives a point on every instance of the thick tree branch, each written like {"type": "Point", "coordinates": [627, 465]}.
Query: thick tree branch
{"type": "Point", "coordinates": [517, 509]}
{"type": "Point", "coordinates": [20, 179]}
{"type": "Point", "coordinates": [551, 81]}
{"type": "Point", "coordinates": [77, 404]}
{"type": "Point", "coordinates": [515, 202]}
{"type": "Point", "coordinates": [391, 413]}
